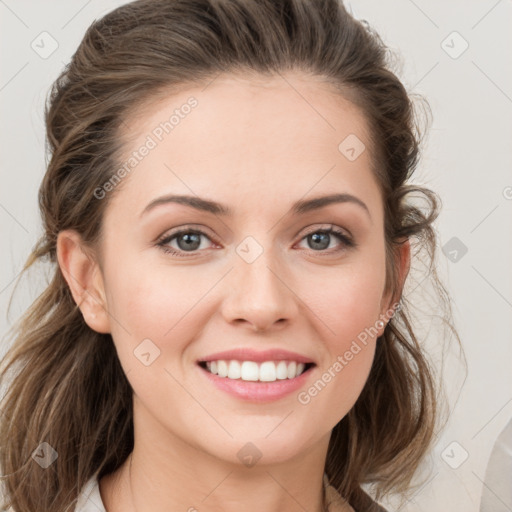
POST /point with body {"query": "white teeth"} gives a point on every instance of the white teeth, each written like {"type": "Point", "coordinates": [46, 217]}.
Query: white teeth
{"type": "Point", "coordinates": [249, 371]}
{"type": "Point", "coordinates": [268, 371]}
{"type": "Point", "coordinates": [234, 370]}
{"type": "Point", "coordinates": [282, 370]}
{"type": "Point", "coordinates": [222, 368]}
{"type": "Point", "coordinates": [292, 369]}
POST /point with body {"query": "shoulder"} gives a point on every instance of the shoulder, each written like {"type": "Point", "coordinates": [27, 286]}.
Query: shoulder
{"type": "Point", "coordinates": [369, 505]}
{"type": "Point", "coordinates": [336, 503]}
{"type": "Point", "coordinates": [89, 499]}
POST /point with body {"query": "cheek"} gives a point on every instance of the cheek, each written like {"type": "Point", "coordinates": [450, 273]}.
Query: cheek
{"type": "Point", "coordinates": [150, 304]}
{"type": "Point", "coordinates": [152, 299]}
{"type": "Point", "coordinates": [350, 313]}
{"type": "Point", "coordinates": [343, 380]}
{"type": "Point", "coordinates": [349, 301]}
{"type": "Point", "coordinates": [348, 309]}
{"type": "Point", "coordinates": [342, 374]}
{"type": "Point", "coordinates": [154, 323]}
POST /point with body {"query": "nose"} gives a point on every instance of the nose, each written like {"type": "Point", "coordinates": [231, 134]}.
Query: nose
{"type": "Point", "coordinates": [259, 295]}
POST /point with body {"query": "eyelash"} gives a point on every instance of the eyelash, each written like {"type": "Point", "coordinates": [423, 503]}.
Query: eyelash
{"type": "Point", "coordinates": [164, 240]}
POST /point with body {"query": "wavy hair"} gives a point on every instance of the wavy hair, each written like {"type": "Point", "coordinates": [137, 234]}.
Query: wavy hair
{"type": "Point", "coordinates": [68, 388]}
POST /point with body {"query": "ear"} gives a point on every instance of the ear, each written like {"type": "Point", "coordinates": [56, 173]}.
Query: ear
{"type": "Point", "coordinates": [404, 264]}
{"type": "Point", "coordinates": [84, 278]}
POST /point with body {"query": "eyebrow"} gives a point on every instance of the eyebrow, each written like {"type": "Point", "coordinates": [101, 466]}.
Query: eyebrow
{"type": "Point", "coordinates": [298, 208]}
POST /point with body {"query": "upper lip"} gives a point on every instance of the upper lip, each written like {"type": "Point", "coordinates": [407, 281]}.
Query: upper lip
{"type": "Point", "coordinates": [247, 354]}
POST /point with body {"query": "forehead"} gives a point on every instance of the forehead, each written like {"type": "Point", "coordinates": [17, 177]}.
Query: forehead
{"type": "Point", "coordinates": [248, 136]}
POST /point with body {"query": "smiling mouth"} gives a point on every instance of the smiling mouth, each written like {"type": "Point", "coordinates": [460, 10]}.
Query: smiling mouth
{"type": "Point", "coordinates": [250, 371]}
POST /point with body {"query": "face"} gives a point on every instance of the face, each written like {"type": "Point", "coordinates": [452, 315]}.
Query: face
{"type": "Point", "coordinates": [264, 276]}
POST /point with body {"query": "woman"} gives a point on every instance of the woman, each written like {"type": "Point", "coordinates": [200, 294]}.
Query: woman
{"type": "Point", "coordinates": [227, 211]}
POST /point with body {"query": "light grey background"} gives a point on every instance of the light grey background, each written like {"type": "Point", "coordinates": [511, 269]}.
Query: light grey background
{"type": "Point", "coordinates": [467, 160]}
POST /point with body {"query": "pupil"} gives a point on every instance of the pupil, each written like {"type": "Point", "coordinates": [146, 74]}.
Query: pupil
{"type": "Point", "coordinates": [316, 238]}
{"type": "Point", "coordinates": [190, 238]}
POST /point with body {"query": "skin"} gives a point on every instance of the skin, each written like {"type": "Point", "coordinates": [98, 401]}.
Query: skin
{"type": "Point", "coordinates": [256, 146]}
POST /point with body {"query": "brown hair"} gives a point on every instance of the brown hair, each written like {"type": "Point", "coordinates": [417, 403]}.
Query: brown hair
{"type": "Point", "coordinates": [69, 389]}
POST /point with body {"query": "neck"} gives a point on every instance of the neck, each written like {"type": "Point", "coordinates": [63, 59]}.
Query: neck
{"type": "Point", "coordinates": [271, 489]}
{"type": "Point", "coordinates": [164, 473]}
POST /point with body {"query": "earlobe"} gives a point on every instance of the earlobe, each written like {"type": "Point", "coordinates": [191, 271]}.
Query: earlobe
{"type": "Point", "coordinates": [83, 275]}
{"type": "Point", "coordinates": [404, 265]}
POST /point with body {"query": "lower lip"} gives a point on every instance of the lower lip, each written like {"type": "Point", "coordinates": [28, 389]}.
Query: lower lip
{"type": "Point", "coordinates": [257, 391]}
